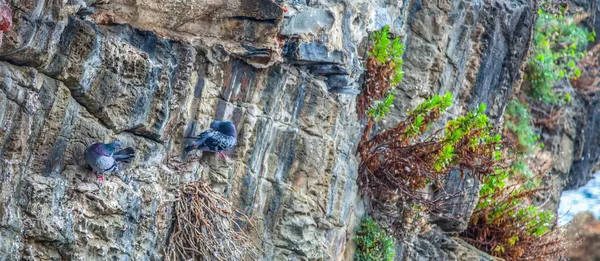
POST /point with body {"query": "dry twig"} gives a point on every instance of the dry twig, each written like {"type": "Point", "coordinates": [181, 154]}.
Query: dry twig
{"type": "Point", "coordinates": [207, 228]}
{"type": "Point", "coordinates": [378, 82]}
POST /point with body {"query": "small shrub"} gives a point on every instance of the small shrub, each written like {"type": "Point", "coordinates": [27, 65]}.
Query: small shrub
{"type": "Point", "coordinates": [519, 122]}
{"type": "Point", "coordinates": [388, 52]}
{"type": "Point", "coordinates": [521, 170]}
{"type": "Point", "coordinates": [373, 242]}
{"type": "Point", "coordinates": [384, 72]}
{"type": "Point", "coordinates": [587, 84]}
{"type": "Point", "coordinates": [398, 162]}
{"type": "Point", "coordinates": [506, 225]}
{"type": "Point", "coordinates": [558, 47]}
{"type": "Point", "coordinates": [381, 108]}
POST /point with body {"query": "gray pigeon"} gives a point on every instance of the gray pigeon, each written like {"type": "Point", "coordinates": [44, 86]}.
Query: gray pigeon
{"type": "Point", "coordinates": [85, 11]}
{"type": "Point", "coordinates": [220, 137]}
{"type": "Point", "coordinates": [103, 158]}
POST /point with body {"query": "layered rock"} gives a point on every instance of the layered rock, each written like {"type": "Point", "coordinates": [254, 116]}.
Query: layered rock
{"type": "Point", "coordinates": [150, 72]}
{"type": "Point", "coordinates": [435, 245]}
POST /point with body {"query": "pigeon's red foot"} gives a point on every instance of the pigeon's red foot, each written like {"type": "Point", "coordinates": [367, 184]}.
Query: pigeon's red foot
{"type": "Point", "coordinates": [222, 155]}
{"type": "Point", "coordinates": [101, 177]}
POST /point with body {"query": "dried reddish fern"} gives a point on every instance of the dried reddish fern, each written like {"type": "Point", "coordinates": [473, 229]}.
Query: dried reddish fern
{"type": "Point", "coordinates": [377, 84]}
{"type": "Point", "coordinates": [399, 162]}
{"type": "Point", "coordinates": [384, 72]}
{"type": "Point", "coordinates": [506, 225]}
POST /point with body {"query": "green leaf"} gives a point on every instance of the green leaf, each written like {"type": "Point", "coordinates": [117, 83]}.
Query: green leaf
{"type": "Point", "coordinates": [558, 45]}
{"type": "Point", "coordinates": [499, 248]}
{"type": "Point", "coordinates": [481, 108]}
{"type": "Point", "coordinates": [513, 240]}
{"type": "Point", "coordinates": [372, 242]}
{"type": "Point", "coordinates": [577, 72]}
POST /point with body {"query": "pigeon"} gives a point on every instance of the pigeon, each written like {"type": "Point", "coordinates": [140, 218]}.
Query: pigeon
{"type": "Point", "coordinates": [83, 12]}
{"type": "Point", "coordinates": [103, 158]}
{"type": "Point", "coordinates": [220, 137]}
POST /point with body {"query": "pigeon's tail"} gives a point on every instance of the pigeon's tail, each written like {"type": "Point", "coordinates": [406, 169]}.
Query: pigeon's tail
{"type": "Point", "coordinates": [124, 155]}
{"type": "Point", "coordinates": [190, 148]}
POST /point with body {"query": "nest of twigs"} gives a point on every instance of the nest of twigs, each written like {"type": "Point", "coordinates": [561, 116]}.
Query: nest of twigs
{"type": "Point", "coordinates": [206, 227]}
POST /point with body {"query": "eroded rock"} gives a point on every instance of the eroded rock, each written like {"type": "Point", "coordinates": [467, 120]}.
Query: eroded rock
{"type": "Point", "coordinates": [148, 72]}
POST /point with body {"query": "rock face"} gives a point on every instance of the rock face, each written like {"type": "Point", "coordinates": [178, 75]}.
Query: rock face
{"type": "Point", "coordinates": [435, 245]}
{"type": "Point", "coordinates": [148, 72]}
{"type": "Point", "coordinates": [587, 142]}
{"type": "Point", "coordinates": [587, 227]}
{"type": "Point", "coordinates": [463, 194]}
{"type": "Point", "coordinates": [572, 139]}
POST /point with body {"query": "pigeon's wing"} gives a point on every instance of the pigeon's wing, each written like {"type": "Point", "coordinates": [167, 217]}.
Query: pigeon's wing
{"type": "Point", "coordinates": [200, 139]}
{"type": "Point", "coordinates": [219, 142]}
{"type": "Point", "coordinates": [106, 164]}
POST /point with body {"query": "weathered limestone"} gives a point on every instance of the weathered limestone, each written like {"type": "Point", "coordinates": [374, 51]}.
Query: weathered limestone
{"type": "Point", "coordinates": [461, 194]}
{"type": "Point", "coordinates": [435, 245]}
{"type": "Point", "coordinates": [149, 72]}
{"type": "Point", "coordinates": [247, 28]}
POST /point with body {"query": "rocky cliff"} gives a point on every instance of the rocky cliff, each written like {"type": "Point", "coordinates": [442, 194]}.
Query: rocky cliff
{"type": "Point", "coordinates": [149, 72]}
{"type": "Point", "coordinates": [586, 227]}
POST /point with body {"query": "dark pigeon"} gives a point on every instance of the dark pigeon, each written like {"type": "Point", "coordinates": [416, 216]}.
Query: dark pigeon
{"type": "Point", "coordinates": [104, 158]}
{"type": "Point", "coordinates": [219, 138]}
{"type": "Point", "coordinates": [85, 11]}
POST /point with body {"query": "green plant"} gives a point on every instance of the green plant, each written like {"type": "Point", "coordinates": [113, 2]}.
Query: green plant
{"type": "Point", "coordinates": [506, 225]}
{"type": "Point", "coordinates": [399, 161]}
{"type": "Point", "coordinates": [381, 108]}
{"type": "Point", "coordinates": [473, 125]}
{"type": "Point", "coordinates": [373, 243]}
{"type": "Point", "coordinates": [521, 167]}
{"type": "Point", "coordinates": [388, 52]}
{"type": "Point", "coordinates": [384, 73]}
{"type": "Point", "coordinates": [519, 122]}
{"type": "Point", "coordinates": [431, 108]}
{"type": "Point", "coordinates": [558, 47]}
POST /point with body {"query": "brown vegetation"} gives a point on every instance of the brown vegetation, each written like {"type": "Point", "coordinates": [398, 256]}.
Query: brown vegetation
{"type": "Point", "coordinates": [206, 227]}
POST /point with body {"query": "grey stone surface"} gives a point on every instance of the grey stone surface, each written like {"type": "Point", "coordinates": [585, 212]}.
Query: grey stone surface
{"type": "Point", "coordinates": [461, 194]}
{"type": "Point", "coordinates": [292, 172]}
{"type": "Point", "coordinates": [312, 53]}
{"type": "Point", "coordinates": [586, 150]}
{"type": "Point", "coordinates": [472, 49]}
{"type": "Point", "coordinates": [434, 245]}
{"type": "Point", "coordinates": [145, 71]}
{"type": "Point", "coordinates": [308, 21]}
